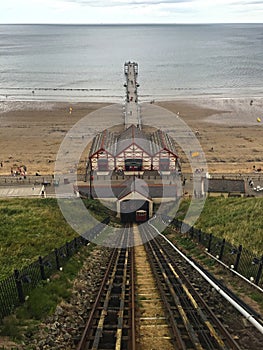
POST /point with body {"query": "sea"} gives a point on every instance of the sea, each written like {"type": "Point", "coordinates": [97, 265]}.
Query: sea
{"type": "Point", "coordinates": [86, 62]}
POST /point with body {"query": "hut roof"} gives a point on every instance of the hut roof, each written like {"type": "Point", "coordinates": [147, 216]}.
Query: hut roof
{"type": "Point", "coordinates": [134, 185]}
{"type": "Point", "coordinates": [124, 189]}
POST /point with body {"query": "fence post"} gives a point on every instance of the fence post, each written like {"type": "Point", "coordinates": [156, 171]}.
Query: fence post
{"type": "Point", "coordinates": [222, 249]}
{"type": "Point", "coordinates": [259, 271]}
{"type": "Point", "coordinates": [57, 259]}
{"type": "Point", "coordinates": [180, 227]}
{"type": "Point", "coordinates": [192, 232]}
{"type": "Point", "coordinates": [19, 287]}
{"type": "Point", "coordinates": [67, 249]}
{"type": "Point", "coordinates": [238, 257]}
{"type": "Point", "coordinates": [209, 243]}
{"type": "Point", "coordinates": [199, 235]}
{"type": "Point", "coordinates": [42, 270]}
{"type": "Point", "coordinates": [75, 243]}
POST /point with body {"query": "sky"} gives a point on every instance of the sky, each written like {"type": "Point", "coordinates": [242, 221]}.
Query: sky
{"type": "Point", "coordinates": [131, 11]}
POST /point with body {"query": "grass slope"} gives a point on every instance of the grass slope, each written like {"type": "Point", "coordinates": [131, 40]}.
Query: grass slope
{"type": "Point", "coordinates": [29, 228]}
{"type": "Point", "coordinates": [33, 227]}
{"type": "Point", "coordinates": [238, 220]}
{"type": "Point", "coordinates": [42, 301]}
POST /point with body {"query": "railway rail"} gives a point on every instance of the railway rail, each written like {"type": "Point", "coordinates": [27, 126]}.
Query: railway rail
{"type": "Point", "coordinates": [195, 315]}
{"type": "Point", "coordinates": [111, 322]}
{"type": "Point", "coordinates": [194, 324]}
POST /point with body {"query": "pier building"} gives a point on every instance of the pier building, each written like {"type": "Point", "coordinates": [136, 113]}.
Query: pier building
{"type": "Point", "coordinates": [133, 151]}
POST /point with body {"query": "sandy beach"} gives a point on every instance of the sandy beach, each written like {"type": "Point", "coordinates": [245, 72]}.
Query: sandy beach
{"type": "Point", "coordinates": [227, 129]}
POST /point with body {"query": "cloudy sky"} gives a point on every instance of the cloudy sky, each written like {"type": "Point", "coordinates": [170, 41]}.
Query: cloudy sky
{"type": "Point", "coordinates": [131, 11]}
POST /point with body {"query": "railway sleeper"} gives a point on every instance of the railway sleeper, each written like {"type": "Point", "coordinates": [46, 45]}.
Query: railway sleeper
{"type": "Point", "coordinates": [108, 339]}
{"type": "Point", "coordinates": [198, 328]}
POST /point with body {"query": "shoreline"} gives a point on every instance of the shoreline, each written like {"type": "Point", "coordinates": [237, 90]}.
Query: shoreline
{"type": "Point", "coordinates": [228, 131]}
{"type": "Point", "coordinates": [120, 98]}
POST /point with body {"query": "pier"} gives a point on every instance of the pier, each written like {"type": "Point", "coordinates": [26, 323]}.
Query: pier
{"type": "Point", "coordinates": [132, 108]}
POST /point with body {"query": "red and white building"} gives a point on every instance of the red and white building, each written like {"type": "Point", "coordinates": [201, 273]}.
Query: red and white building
{"type": "Point", "coordinates": [133, 150]}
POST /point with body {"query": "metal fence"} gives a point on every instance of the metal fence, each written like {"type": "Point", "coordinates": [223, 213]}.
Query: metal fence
{"type": "Point", "coordinates": [234, 257]}
{"type": "Point", "coordinates": [15, 288]}
{"type": "Point", "coordinates": [47, 180]}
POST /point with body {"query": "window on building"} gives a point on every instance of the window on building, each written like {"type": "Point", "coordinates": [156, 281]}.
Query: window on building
{"type": "Point", "coordinates": [164, 164]}
{"type": "Point", "coordinates": [102, 164]}
{"type": "Point", "coordinates": [133, 164]}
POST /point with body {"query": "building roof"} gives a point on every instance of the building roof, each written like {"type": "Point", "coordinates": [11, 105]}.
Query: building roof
{"type": "Point", "coordinates": [113, 144]}
{"type": "Point", "coordinates": [134, 185]}
{"type": "Point", "coordinates": [133, 135]}
{"type": "Point", "coordinates": [104, 140]}
{"type": "Point", "coordinates": [122, 190]}
{"type": "Point", "coordinates": [225, 186]}
{"type": "Point", "coordinates": [162, 141]}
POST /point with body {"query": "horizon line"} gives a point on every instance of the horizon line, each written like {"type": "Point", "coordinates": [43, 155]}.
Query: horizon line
{"type": "Point", "coordinates": [130, 24]}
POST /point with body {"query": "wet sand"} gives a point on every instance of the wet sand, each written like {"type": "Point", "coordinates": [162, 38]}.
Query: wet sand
{"type": "Point", "coordinates": [227, 129]}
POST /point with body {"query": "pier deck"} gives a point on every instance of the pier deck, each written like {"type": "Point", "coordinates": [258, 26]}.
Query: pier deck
{"type": "Point", "coordinates": [132, 108]}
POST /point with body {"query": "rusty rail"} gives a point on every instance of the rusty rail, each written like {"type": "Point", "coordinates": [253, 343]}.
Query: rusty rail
{"type": "Point", "coordinates": [111, 323]}
{"type": "Point", "coordinates": [196, 325]}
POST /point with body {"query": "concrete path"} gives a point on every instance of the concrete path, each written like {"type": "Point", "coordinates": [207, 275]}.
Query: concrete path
{"type": "Point", "coordinates": [21, 191]}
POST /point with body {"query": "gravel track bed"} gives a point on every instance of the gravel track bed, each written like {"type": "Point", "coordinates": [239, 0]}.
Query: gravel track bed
{"type": "Point", "coordinates": [246, 335]}
{"type": "Point", "coordinates": [63, 329]}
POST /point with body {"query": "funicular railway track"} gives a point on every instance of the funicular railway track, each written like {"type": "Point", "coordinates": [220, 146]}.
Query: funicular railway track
{"type": "Point", "coordinates": [193, 323]}
{"type": "Point", "coordinates": [111, 322]}
{"type": "Point", "coordinates": [195, 316]}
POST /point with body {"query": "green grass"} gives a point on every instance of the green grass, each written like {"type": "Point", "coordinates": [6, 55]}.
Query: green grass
{"type": "Point", "coordinates": [30, 228]}
{"type": "Point", "coordinates": [238, 220]}
{"type": "Point", "coordinates": [34, 227]}
{"type": "Point", "coordinates": [42, 301]}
